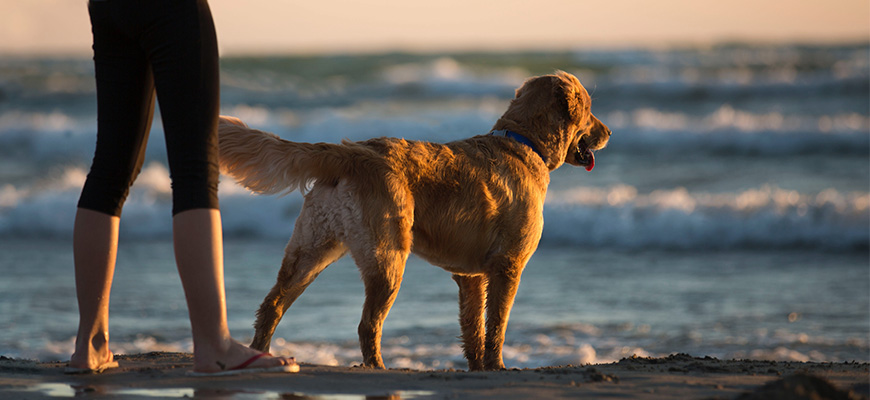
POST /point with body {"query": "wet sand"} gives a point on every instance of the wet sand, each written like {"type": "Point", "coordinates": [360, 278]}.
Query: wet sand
{"type": "Point", "coordinates": [679, 376]}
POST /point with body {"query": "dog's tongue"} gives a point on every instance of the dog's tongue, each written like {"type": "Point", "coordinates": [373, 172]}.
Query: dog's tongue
{"type": "Point", "coordinates": [590, 158]}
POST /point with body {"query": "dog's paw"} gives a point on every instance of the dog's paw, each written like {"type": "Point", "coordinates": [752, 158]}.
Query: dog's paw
{"type": "Point", "coordinates": [370, 366]}
{"type": "Point", "coordinates": [499, 366]}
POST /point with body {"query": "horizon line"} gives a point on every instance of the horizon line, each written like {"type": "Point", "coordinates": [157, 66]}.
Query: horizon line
{"type": "Point", "coordinates": [326, 51]}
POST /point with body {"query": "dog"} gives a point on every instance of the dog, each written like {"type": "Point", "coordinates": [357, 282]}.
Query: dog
{"type": "Point", "coordinates": [473, 207]}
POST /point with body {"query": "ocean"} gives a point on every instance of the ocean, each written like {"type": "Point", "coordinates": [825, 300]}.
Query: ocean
{"type": "Point", "coordinates": [729, 216]}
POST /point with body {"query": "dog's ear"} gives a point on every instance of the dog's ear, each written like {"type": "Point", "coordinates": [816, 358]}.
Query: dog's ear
{"type": "Point", "coordinates": [571, 95]}
{"type": "Point", "coordinates": [540, 103]}
{"type": "Point", "coordinates": [536, 92]}
{"type": "Point", "coordinates": [561, 91]}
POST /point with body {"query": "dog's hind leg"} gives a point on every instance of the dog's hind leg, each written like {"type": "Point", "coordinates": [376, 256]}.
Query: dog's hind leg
{"type": "Point", "coordinates": [472, 297]}
{"type": "Point", "coordinates": [304, 258]}
{"type": "Point", "coordinates": [382, 276]}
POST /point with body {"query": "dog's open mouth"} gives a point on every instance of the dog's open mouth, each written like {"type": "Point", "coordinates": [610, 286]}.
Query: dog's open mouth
{"type": "Point", "coordinates": [584, 156]}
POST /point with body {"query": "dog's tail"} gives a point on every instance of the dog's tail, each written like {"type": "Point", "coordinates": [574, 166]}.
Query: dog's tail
{"type": "Point", "coordinates": [265, 163]}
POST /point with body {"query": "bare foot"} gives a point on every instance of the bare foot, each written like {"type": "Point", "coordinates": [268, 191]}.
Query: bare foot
{"type": "Point", "coordinates": [91, 354]}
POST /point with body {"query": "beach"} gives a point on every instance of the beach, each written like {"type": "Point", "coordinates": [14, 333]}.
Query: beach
{"type": "Point", "coordinates": [680, 376]}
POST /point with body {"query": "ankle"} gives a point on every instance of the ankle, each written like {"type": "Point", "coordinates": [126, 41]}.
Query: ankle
{"type": "Point", "coordinates": [92, 342]}
{"type": "Point", "coordinates": [91, 351]}
{"type": "Point", "coordinates": [215, 346]}
{"type": "Point", "coordinates": [100, 341]}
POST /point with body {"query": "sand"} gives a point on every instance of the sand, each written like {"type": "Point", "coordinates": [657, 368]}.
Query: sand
{"type": "Point", "coordinates": [678, 376]}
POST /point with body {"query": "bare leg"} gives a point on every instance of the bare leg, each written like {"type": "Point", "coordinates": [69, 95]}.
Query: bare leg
{"type": "Point", "coordinates": [95, 246]}
{"type": "Point", "coordinates": [472, 296]}
{"type": "Point", "coordinates": [199, 255]}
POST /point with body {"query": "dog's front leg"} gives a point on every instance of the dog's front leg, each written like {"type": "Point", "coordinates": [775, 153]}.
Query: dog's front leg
{"type": "Point", "coordinates": [472, 296]}
{"type": "Point", "coordinates": [501, 290]}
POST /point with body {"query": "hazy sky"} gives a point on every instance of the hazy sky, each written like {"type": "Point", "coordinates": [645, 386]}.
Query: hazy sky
{"type": "Point", "coordinates": [285, 26]}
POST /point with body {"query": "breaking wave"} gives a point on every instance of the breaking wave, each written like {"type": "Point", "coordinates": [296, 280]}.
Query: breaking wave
{"type": "Point", "coordinates": [617, 216]}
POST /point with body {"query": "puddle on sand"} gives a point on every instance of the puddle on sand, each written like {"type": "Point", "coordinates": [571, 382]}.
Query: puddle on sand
{"type": "Point", "coordinates": [66, 390]}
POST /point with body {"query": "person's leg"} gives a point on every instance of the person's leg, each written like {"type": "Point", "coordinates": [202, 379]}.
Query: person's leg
{"type": "Point", "coordinates": [125, 104]}
{"type": "Point", "coordinates": [199, 255]}
{"type": "Point", "coordinates": [185, 65]}
{"type": "Point", "coordinates": [95, 245]}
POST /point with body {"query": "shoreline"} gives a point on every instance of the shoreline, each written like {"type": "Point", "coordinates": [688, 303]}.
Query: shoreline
{"type": "Point", "coordinates": [161, 374]}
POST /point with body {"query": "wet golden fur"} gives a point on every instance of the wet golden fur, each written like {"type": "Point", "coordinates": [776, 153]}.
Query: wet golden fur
{"type": "Point", "coordinates": [472, 207]}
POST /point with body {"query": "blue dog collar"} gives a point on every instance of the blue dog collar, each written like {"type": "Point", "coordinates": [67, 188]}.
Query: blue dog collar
{"type": "Point", "coordinates": [519, 138]}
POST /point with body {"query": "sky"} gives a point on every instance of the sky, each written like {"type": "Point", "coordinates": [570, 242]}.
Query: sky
{"type": "Point", "coordinates": [342, 26]}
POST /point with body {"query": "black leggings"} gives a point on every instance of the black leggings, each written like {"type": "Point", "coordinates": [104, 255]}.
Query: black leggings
{"type": "Point", "coordinates": [140, 45]}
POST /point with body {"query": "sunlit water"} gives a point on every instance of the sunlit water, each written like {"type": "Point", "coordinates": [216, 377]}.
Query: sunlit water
{"type": "Point", "coordinates": [574, 306]}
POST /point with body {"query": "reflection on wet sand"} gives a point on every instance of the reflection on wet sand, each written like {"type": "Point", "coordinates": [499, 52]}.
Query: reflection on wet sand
{"type": "Point", "coordinates": [74, 390]}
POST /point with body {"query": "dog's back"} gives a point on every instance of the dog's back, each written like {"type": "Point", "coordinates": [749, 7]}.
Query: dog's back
{"type": "Point", "coordinates": [465, 196]}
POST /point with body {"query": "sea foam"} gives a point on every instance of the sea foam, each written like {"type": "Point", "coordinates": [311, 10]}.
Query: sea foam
{"type": "Point", "coordinates": [618, 216]}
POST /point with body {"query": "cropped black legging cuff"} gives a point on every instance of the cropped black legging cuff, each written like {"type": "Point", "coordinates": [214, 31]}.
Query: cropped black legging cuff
{"type": "Point", "coordinates": [140, 45]}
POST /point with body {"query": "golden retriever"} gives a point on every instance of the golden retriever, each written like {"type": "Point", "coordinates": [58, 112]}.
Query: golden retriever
{"type": "Point", "coordinates": [472, 207]}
